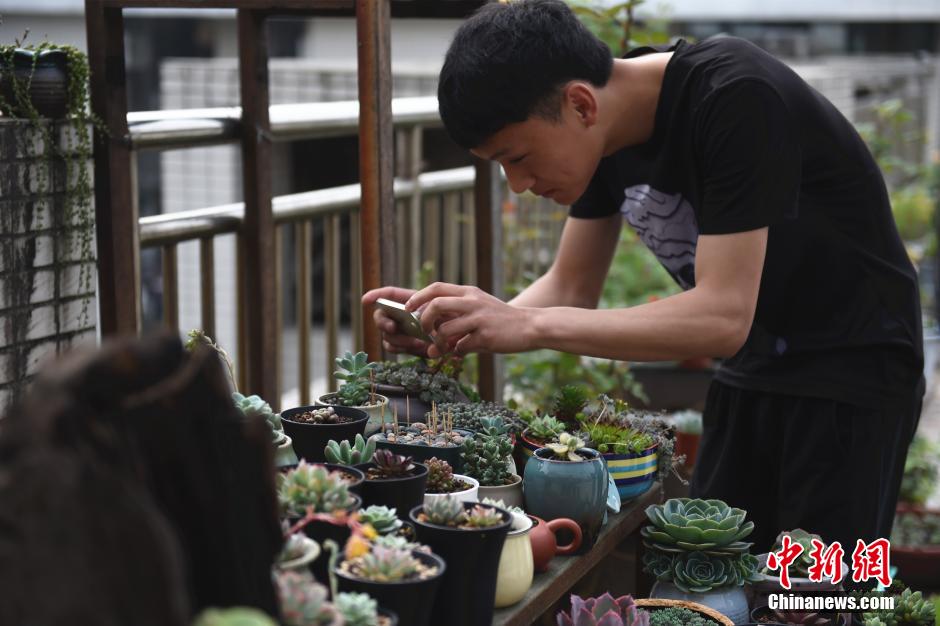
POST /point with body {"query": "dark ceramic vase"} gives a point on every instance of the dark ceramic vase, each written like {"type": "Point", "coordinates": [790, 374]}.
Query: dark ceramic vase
{"type": "Point", "coordinates": [401, 494]}
{"type": "Point", "coordinates": [573, 489]}
{"type": "Point", "coordinates": [468, 588]}
{"type": "Point", "coordinates": [48, 81]}
{"type": "Point", "coordinates": [310, 439]}
{"type": "Point", "coordinates": [411, 600]}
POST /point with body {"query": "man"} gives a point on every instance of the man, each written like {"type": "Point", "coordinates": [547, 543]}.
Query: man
{"type": "Point", "coordinates": [765, 206]}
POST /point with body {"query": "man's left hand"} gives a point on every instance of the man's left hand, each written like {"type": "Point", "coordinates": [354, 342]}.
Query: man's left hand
{"type": "Point", "coordinates": [467, 319]}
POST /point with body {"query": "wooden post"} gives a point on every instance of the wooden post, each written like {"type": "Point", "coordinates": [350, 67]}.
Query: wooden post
{"type": "Point", "coordinates": [489, 247]}
{"type": "Point", "coordinates": [118, 243]}
{"type": "Point", "coordinates": [376, 155]}
{"type": "Point", "coordinates": [260, 287]}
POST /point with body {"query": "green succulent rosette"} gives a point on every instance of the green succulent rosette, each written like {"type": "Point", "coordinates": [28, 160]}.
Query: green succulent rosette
{"type": "Point", "coordinates": [693, 525]}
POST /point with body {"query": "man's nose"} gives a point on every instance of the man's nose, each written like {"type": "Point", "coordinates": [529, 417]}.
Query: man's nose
{"type": "Point", "coordinates": [519, 181]}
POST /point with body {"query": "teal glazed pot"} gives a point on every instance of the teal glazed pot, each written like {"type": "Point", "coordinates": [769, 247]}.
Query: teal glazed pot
{"type": "Point", "coordinates": [572, 489]}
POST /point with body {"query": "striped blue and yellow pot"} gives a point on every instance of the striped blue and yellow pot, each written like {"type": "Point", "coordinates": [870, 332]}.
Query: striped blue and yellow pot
{"type": "Point", "coordinates": [635, 473]}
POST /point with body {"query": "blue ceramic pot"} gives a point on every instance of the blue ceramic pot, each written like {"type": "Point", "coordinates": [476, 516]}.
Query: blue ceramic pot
{"type": "Point", "coordinates": [572, 489]}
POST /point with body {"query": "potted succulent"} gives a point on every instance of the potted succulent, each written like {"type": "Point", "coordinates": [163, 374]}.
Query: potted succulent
{"type": "Point", "coordinates": [470, 416]}
{"type": "Point", "coordinates": [915, 537]}
{"type": "Point", "coordinates": [359, 609]}
{"type": "Point", "coordinates": [910, 609]}
{"type": "Point", "coordinates": [565, 479]}
{"type": "Point", "coordinates": [541, 430]}
{"type": "Point", "coordinates": [412, 385]}
{"type": "Point", "coordinates": [695, 551]}
{"type": "Point", "coordinates": [469, 537]}
{"type": "Point", "coordinates": [420, 440]}
{"type": "Point", "coordinates": [253, 407]}
{"type": "Point", "coordinates": [394, 481]}
{"type": "Point", "coordinates": [400, 576]}
{"type": "Point", "coordinates": [443, 482]}
{"type": "Point", "coordinates": [304, 602]}
{"type": "Point", "coordinates": [767, 581]}
{"type": "Point", "coordinates": [624, 611]}
{"type": "Point", "coordinates": [638, 447]}
{"type": "Point", "coordinates": [312, 427]}
{"type": "Point", "coordinates": [318, 501]}
{"type": "Point", "coordinates": [487, 457]}
{"type": "Point", "coordinates": [357, 390]}
{"type": "Point", "coordinates": [360, 451]}
{"type": "Point", "coordinates": [299, 552]}
{"type": "Point", "coordinates": [382, 519]}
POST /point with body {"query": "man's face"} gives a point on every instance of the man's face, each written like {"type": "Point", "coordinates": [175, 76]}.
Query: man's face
{"type": "Point", "coordinates": [554, 159]}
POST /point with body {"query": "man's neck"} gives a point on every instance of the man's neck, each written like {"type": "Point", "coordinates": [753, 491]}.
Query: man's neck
{"type": "Point", "coordinates": [630, 99]}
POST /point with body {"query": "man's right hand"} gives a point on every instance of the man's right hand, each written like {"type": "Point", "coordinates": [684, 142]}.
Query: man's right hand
{"type": "Point", "coordinates": [392, 339]}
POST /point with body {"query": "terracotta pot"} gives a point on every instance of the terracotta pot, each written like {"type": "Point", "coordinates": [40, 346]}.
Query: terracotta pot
{"type": "Point", "coordinates": [918, 566]}
{"type": "Point", "coordinates": [687, 444]}
{"type": "Point", "coordinates": [545, 543]}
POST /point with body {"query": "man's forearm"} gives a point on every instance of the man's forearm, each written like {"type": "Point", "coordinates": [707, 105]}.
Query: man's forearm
{"type": "Point", "coordinates": [686, 325]}
{"type": "Point", "coordinates": [548, 291]}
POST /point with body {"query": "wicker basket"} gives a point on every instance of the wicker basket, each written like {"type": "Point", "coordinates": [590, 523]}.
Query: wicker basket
{"type": "Point", "coordinates": [712, 614]}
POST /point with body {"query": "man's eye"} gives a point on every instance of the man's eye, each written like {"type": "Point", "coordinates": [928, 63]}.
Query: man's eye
{"type": "Point", "coordinates": [518, 159]}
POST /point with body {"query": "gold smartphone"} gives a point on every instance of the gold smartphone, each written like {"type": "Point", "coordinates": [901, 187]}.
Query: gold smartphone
{"type": "Point", "coordinates": [408, 322]}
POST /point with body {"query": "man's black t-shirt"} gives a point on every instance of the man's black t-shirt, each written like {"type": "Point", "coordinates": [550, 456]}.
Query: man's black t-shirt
{"type": "Point", "coordinates": [741, 142]}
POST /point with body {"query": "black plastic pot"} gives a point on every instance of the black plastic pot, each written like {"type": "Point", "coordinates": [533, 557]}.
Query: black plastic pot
{"type": "Point", "coordinates": [48, 82]}
{"type": "Point", "coordinates": [423, 453]}
{"type": "Point", "coordinates": [320, 532]}
{"type": "Point", "coordinates": [401, 494]}
{"type": "Point", "coordinates": [411, 600]}
{"type": "Point", "coordinates": [472, 556]}
{"type": "Point", "coordinates": [311, 439]}
{"type": "Point", "coordinates": [391, 615]}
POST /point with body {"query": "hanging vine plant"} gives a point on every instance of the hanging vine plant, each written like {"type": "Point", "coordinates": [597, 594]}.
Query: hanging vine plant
{"type": "Point", "coordinates": [47, 84]}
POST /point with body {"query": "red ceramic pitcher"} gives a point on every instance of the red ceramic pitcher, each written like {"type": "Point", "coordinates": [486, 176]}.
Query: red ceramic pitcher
{"type": "Point", "coordinates": [544, 543]}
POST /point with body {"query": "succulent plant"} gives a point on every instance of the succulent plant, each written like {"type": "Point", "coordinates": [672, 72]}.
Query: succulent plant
{"type": "Point", "coordinates": [799, 567]}
{"type": "Point", "coordinates": [384, 564]}
{"type": "Point", "coordinates": [910, 609]}
{"type": "Point", "coordinates": [615, 438]}
{"type": "Point", "coordinates": [800, 618]}
{"type": "Point", "coordinates": [920, 471]}
{"type": "Point", "coordinates": [483, 517]}
{"type": "Point", "coordinates": [418, 379]}
{"type": "Point", "coordinates": [678, 616]}
{"type": "Point", "coordinates": [502, 505]}
{"type": "Point", "coordinates": [389, 465]}
{"type": "Point", "coordinates": [319, 415]}
{"type": "Point", "coordinates": [567, 447]}
{"type": "Point", "coordinates": [344, 454]}
{"type": "Point", "coordinates": [254, 407]}
{"type": "Point", "coordinates": [488, 459]}
{"type": "Point", "coordinates": [237, 616]}
{"type": "Point", "coordinates": [468, 415]}
{"type": "Point", "coordinates": [570, 400]}
{"type": "Point", "coordinates": [296, 546]}
{"type": "Point", "coordinates": [310, 485]}
{"type": "Point", "coordinates": [697, 572]}
{"type": "Point", "coordinates": [689, 525]}
{"type": "Point", "coordinates": [545, 428]}
{"type": "Point", "coordinates": [440, 476]}
{"type": "Point", "coordinates": [303, 601]}
{"type": "Point", "coordinates": [399, 543]}
{"type": "Point", "coordinates": [383, 519]}
{"type": "Point", "coordinates": [357, 609]}
{"type": "Point", "coordinates": [916, 528]}
{"type": "Point", "coordinates": [446, 511]}
{"type": "Point", "coordinates": [355, 370]}
{"type": "Point", "coordinates": [604, 610]}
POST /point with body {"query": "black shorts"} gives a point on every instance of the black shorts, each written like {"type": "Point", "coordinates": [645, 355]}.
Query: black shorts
{"type": "Point", "coordinates": [830, 468]}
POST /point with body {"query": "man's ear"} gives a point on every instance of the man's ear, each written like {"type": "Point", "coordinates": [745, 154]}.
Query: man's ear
{"type": "Point", "coordinates": [580, 97]}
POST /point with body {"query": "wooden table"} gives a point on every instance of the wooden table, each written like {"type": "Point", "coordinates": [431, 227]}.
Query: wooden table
{"type": "Point", "coordinates": [564, 571]}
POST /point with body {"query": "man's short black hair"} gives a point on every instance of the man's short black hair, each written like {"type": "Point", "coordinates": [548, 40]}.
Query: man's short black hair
{"type": "Point", "coordinates": [508, 61]}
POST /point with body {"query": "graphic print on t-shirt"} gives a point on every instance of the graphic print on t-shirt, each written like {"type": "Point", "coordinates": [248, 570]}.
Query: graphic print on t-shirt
{"type": "Point", "coordinates": [666, 223]}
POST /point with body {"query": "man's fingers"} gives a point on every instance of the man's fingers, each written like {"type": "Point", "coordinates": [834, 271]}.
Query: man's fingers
{"type": "Point", "coordinates": [384, 323]}
{"type": "Point", "coordinates": [444, 308]}
{"type": "Point", "coordinates": [398, 294]}
{"type": "Point", "coordinates": [456, 328]}
{"type": "Point", "coordinates": [432, 291]}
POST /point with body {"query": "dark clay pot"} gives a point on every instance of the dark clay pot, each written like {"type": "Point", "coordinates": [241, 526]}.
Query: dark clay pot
{"type": "Point", "coordinates": [472, 555]}
{"type": "Point", "coordinates": [408, 403]}
{"type": "Point", "coordinates": [411, 600]}
{"type": "Point", "coordinates": [48, 88]}
{"type": "Point", "coordinates": [311, 439]}
{"type": "Point", "coordinates": [423, 453]}
{"type": "Point", "coordinates": [401, 494]}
